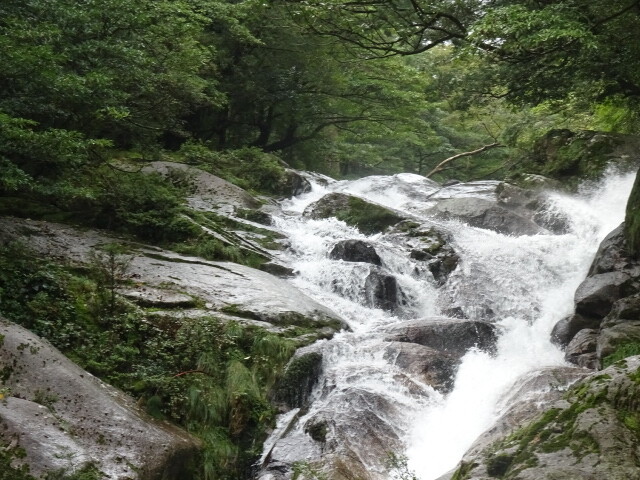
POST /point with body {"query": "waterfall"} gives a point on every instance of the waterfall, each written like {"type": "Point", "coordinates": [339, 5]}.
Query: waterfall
{"type": "Point", "coordinates": [522, 284]}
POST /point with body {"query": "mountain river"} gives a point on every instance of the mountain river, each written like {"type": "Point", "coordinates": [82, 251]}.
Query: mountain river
{"type": "Point", "coordinates": [522, 284]}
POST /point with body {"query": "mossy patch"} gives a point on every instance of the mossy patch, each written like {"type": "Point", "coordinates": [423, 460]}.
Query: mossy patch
{"type": "Point", "coordinates": [367, 217]}
{"type": "Point", "coordinates": [299, 379]}
{"type": "Point", "coordinates": [317, 430]}
{"type": "Point", "coordinates": [622, 351]}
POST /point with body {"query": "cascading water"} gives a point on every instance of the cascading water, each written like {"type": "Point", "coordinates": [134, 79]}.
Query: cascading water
{"type": "Point", "coordinates": [523, 284]}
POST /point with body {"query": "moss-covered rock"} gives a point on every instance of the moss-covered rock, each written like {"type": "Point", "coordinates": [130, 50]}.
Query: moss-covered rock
{"type": "Point", "coordinates": [367, 217]}
{"type": "Point", "coordinates": [572, 156]}
{"type": "Point", "coordinates": [298, 381]}
{"type": "Point", "coordinates": [591, 434]}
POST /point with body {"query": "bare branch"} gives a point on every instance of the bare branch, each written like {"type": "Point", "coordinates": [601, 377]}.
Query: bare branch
{"type": "Point", "coordinates": [441, 166]}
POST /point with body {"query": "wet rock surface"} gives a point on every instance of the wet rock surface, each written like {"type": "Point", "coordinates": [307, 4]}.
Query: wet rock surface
{"type": "Point", "coordinates": [64, 418]}
{"type": "Point", "coordinates": [483, 213]}
{"type": "Point", "coordinates": [383, 291]}
{"type": "Point", "coordinates": [236, 290]}
{"type": "Point", "coordinates": [433, 367]}
{"type": "Point", "coordinates": [451, 335]}
{"type": "Point", "coordinates": [355, 251]}
{"type": "Point", "coordinates": [607, 303]}
{"type": "Point", "coordinates": [586, 434]}
{"type": "Point", "coordinates": [368, 217]}
{"type": "Point", "coordinates": [349, 432]}
{"type": "Point", "coordinates": [209, 193]}
{"type": "Point", "coordinates": [566, 329]}
{"type": "Point", "coordinates": [427, 244]}
{"type": "Point", "coordinates": [581, 350]}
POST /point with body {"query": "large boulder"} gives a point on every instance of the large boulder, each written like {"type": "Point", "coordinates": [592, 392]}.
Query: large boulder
{"type": "Point", "coordinates": [596, 295]}
{"type": "Point", "coordinates": [452, 335]}
{"type": "Point", "coordinates": [347, 433]}
{"type": "Point", "coordinates": [207, 192]}
{"type": "Point", "coordinates": [611, 255]}
{"type": "Point", "coordinates": [534, 204]}
{"type": "Point", "coordinates": [484, 213]}
{"type": "Point", "coordinates": [367, 217]}
{"type": "Point", "coordinates": [608, 300]}
{"type": "Point", "coordinates": [589, 433]}
{"type": "Point", "coordinates": [355, 251]}
{"type": "Point", "coordinates": [248, 294]}
{"type": "Point", "coordinates": [66, 419]}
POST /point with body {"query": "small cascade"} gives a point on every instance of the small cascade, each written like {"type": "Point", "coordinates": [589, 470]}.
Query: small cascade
{"type": "Point", "coordinates": [379, 391]}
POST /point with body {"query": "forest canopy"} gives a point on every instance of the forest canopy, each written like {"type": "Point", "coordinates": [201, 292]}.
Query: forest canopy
{"type": "Point", "coordinates": [345, 88]}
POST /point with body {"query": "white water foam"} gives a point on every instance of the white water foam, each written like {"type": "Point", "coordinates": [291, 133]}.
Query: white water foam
{"type": "Point", "coordinates": [525, 283]}
{"type": "Point", "coordinates": [549, 269]}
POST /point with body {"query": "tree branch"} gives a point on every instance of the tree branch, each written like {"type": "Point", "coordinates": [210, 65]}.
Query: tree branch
{"type": "Point", "coordinates": [442, 164]}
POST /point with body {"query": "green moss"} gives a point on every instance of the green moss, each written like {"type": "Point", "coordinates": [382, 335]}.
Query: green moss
{"type": "Point", "coordinates": [88, 472]}
{"type": "Point", "coordinates": [256, 216]}
{"type": "Point", "coordinates": [622, 351]}
{"type": "Point", "coordinates": [236, 311]}
{"type": "Point", "coordinates": [9, 470]}
{"type": "Point", "coordinates": [299, 379]}
{"type": "Point", "coordinates": [498, 465]}
{"type": "Point", "coordinates": [463, 471]}
{"type": "Point", "coordinates": [367, 217]}
{"type": "Point", "coordinates": [317, 430]}
{"type": "Point", "coordinates": [555, 430]}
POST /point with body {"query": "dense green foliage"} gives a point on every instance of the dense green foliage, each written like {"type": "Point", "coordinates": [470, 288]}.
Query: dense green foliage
{"type": "Point", "coordinates": [213, 378]}
{"type": "Point", "coordinates": [91, 91]}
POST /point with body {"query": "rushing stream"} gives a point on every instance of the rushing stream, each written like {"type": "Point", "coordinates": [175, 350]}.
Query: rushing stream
{"type": "Point", "coordinates": [523, 284]}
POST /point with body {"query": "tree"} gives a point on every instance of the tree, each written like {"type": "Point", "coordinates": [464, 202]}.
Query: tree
{"type": "Point", "coordinates": [553, 51]}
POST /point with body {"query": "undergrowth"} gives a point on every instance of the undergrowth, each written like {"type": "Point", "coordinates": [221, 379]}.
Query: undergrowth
{"type": "Point", "coordinates": [210, 377]}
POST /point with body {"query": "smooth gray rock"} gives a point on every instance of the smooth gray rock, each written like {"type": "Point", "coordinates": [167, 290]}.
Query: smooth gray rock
{"type": "Point", "coordinates": [611, 255]}
{"type": "Point", "coordinates": [483, 213]}
{"type": "Point", "coordinates": [431, 366]}
{"type": "Point", "coordinates": [596, 295]}
{"type": "Point", "coordinates": [64, 417]}
{"type": "Point", "coordinates": [209, 193]}
{"type": "Point", "coordinates": [153, 297]}
{"type": "Point", "coordinates": [225, 287]}
{"type": "Point", "coordinates": [355, 251]}
{"type": "Point", "coordinates": [627, 308]}
{"type": "Point", "coordinates": [581, 350]}
{"type": "Point", "coordinates": [566, 329]}
{"type": "Point", "coordinates": [452, 335]}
